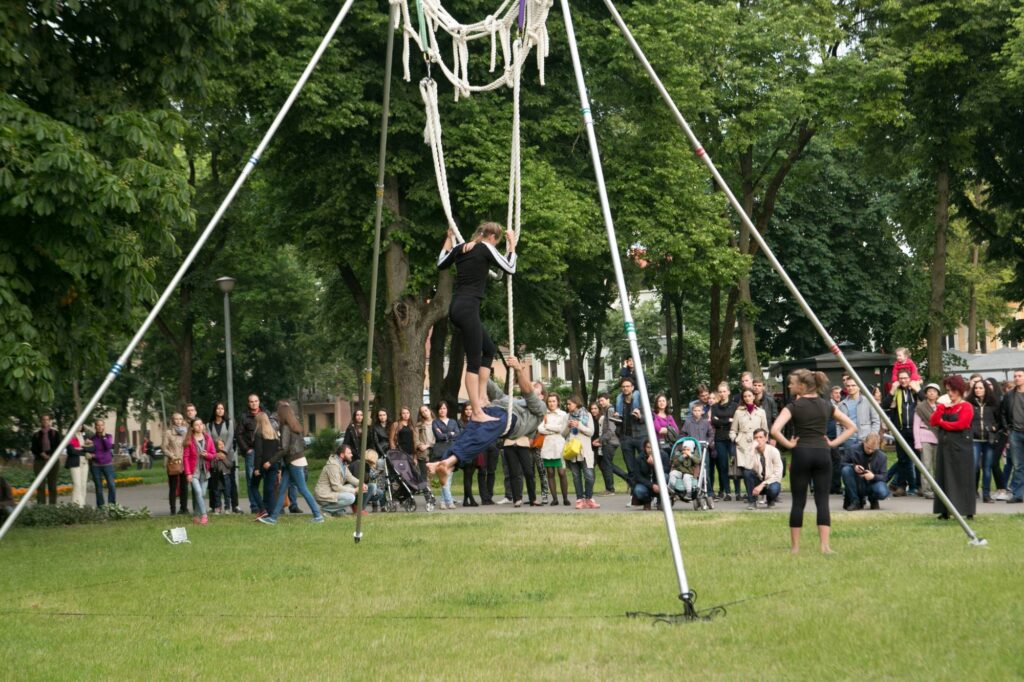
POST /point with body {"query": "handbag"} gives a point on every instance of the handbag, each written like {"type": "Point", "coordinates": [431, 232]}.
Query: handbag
{"type": "Point", "coordinates": [538, 441]}
{"type": "Point", "coordinates": [573, 449]}
{"type": "Point", "coordinates": [175, 466]}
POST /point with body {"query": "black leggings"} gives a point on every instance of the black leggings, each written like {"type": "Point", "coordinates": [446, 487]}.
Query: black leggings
{"type": "Point", "coordinates": [464, 314]}
{"type": "Point", "coordinates": [520, 468]}
{"type": "Point", "coordinates": [177, 489]}
{"type": "Point", "coordinates": [810, 464]}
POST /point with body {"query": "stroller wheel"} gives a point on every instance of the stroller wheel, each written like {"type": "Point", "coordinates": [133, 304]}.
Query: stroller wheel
{"type": "Point", "coordinates": [409, 504]}
{"type": "Point", "coordinates": [697, 504]}
{"type": "Point", "coordinates": [709, 504]}
{"type": "Point", "coordinates": [391, 506]}
{"type": "Point", "coordinates": [430, 505]}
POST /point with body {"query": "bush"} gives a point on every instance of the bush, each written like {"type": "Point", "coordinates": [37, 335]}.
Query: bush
{"type": "Point", "coordinates": [44, 515]}
{"type": "Point", "coordinates": [324, 444]}
{"type": "Point", "coordinates": [21, 477]}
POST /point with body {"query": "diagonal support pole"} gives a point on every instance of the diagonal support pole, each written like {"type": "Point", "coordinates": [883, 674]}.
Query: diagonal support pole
{"type": "Point", "coordinates": [378, 218]}
{"type": "Point", "coordinates": [122, 361]}
{"type": "Point", "coordinates": [685, 594]}
{"type": "Point", "coordinates": [974, 540]}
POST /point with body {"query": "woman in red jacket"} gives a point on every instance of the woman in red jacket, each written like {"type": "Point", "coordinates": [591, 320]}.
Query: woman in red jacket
{"type": "Point", "coordinates": [199, 451]}
{"type": "Point", "coordinates": [954, 458]}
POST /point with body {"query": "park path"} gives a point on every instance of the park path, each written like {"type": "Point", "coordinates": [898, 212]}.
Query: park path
{"type": "Point", "coordinates": [154, 497]}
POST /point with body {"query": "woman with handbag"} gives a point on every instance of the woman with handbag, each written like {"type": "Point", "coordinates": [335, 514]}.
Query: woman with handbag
{"type": "Point", "coordinates": [197, 454]}
{"type": "Point", "coordinates": [424, 438]}
{"type": "Point", "coordinates": [173, 447]}
{"type": "Point", "coordinates": [553, 428]}
{"type": "Point", "coordinates": [747, 419]}
{"type": "Point", "coordinates": [445, 431]}
{"type": "Point", "coordinates": [293, 449]}
{"type": "Point", "coordinates": [581, 428]}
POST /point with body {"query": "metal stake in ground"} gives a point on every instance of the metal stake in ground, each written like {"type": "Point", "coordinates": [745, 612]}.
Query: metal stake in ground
{"type": "Point", "coordinates": [685, 594]}
{"type": "Point", "coordinates": [122, 361]}
{"type": "Point", "coordinates": [974, 540]}
{"type": "Point", "coordinates": [378, 217]}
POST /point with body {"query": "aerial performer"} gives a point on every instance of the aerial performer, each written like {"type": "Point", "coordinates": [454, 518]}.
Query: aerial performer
{"type": "Point", "coordinates": [526, 414]}
{"type": "Point", "coordinates": [473, 260]}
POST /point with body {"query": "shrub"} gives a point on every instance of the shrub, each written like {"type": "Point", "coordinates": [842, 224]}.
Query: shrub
{"type": "Point", "coordinates": [69, 514]}
{"type": "Point", "coordinates": [324, 444]}
{"type": "Point", "coordinates": [21, 477]}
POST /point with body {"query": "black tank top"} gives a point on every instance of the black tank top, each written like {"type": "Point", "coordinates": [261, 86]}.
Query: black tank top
{"type": "Point", "coordinates": [810, 420]}
{"type": "Point", "coordinates": [403, 439]}
{"type": "Point", "coordinates": [472, 267]}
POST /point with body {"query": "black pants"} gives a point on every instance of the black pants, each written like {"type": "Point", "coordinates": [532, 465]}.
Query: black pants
{"type": "Point", "coordinates": [837, 475]}
{"type": "Point", "coordinates": [468, 471]}
{"type": "Point", "coordinates": [464, 314]}
{"type": "Point", "coordinates": [177, 489]}
{"type": "Point", "coordinates": [49, 485]}
{"type": "Point", "coordinates": [810, 464]}
{"type": "Point", "coordinates": [234, 485]}
{"type": "Point", "coordinates": [606, 463]}
{"type": "Point", "coordinates": [632, 450]}
{"type": "Point", "coordinates": [520, 468]}
{"type": "Point", "coordinates": [506, 474]}
{"type": "Point", "coordinates": [485, 475]}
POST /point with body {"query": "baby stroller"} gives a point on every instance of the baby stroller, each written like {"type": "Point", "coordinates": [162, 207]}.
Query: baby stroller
{"type": "Point", "coordinates": [402, 481]}
{"type": "Point", "coordinates": [700, 499]}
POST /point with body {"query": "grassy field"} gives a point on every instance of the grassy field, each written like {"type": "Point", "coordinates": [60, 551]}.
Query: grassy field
{"type": "Point", "coordinates": [506, 597]}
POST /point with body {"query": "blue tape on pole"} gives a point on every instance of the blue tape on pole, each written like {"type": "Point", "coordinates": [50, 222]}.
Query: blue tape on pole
{"type": "Point", "coordinates": [585, 111]}
{"type": "Point", "coordinates": [630, 328]}
{"type": "Point", "coordinates": [116, 369]}
{"type": "Point", "coordinates": [253, 160]}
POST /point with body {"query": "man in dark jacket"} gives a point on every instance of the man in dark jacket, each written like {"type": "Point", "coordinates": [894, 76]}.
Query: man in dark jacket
{"type": "Point", "coordinates": [44, 443]}
{"type": "Point", "coordinates": [863, 471]}
{"type": "Point", "coordinates": [245, 437]}
{"type": "Point", "coordinates": [1013, 417]}
{"type": "Point", "coordinates": [900, 403]}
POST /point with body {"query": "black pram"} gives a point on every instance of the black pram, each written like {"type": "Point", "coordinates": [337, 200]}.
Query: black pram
{"type": "Point", "coordinates": [402, 481]}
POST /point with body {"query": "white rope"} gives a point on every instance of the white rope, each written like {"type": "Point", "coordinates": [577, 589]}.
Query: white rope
{"type": "Point", "coordinates": [432, 136]}
{"type": "Point", "coordinates": [515, 193]}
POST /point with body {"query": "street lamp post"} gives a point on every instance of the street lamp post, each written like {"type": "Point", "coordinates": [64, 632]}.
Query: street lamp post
{"type": "Point", "coordinates": [226, 284]}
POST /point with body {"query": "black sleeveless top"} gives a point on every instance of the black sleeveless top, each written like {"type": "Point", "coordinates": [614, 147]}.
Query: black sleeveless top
{"type": "Point", "coordinates": [403, 439]}
{"type": "Point", "coordinates": [471, 277]}
{"type": "Point", "coordinates": [810, 420]}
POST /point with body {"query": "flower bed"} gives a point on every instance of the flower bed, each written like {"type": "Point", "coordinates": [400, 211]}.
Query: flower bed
{"type": "Point", "coordinates": [125, 482]}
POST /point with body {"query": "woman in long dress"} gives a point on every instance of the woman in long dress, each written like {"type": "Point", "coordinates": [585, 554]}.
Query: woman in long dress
{"type": "Point", "coordinates": [954, 458]}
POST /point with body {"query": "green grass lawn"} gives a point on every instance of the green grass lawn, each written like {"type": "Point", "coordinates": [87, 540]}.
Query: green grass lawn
{"type": "Point", "coordinates": [510, 597]}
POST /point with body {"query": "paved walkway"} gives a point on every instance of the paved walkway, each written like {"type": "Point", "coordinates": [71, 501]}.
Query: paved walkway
{"type": "Point", "coordinates": [155, 498]}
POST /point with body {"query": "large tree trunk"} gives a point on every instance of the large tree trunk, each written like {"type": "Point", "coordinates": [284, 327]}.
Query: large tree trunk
{"type": "Point", "coordinates": [595, 369]}
{"type": "Point", "coordinates": [575, 359]}
{"type": "Point", "coordinates": [972, 313]}
{"type": "Point", "coordinates": [670, 353]}
{"type": "Point", "coordinates": [409, 315]}
{"type": "Point", "coordinates": [435, 369]}
{"type": "Point", "coordinates": [937, 299]}
{"type": "Point", "coordinates": [748, 342]}
{"type": "Point", "coordinates": [453, 379]}
{"type": "Point", "coordinates": [677, 357]}
{"type": "Point", "coordinates": [720, 347]}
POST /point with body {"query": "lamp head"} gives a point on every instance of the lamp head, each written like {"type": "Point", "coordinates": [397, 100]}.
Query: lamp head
{"type": "Point", "coordinates": [226, 284]}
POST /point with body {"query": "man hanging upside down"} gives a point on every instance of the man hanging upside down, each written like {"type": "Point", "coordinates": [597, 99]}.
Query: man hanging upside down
{"type": "Point", "coordinates": [527, 413]}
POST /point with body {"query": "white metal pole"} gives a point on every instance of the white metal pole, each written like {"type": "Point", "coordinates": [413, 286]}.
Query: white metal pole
{"type": "Point", "coordinates": [770, 255]}
{"type": "Point", "coordinates": [122, 360]}
{"type": "Point", "coordinates": [382, 152]}
{"type": "Point", "coordinates": [630, 328]}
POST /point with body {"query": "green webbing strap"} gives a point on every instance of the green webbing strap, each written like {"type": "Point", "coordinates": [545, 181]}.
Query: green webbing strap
{"type": "Point", "coordinates": [423, 27]}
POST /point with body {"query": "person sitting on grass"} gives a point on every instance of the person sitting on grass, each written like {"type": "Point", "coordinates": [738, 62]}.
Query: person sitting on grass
{"type": "Point", "coordinates": [864, 470]}
{"type": "Point", "coordinates": [644, 488]}
{"type": "Point", "coordinates": [335, 490]}
{"type": "Point", "coordinates": [766, 476]}
{"type": "Point", "coordinates": [527, 413]}
{"type": "Point", "coordinates": [684, 470]}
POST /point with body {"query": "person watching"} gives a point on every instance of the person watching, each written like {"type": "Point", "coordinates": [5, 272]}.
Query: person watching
{"type": "Point", "coordinates": [863, 471]}
{"type": "Point", "coordinates": [336, 488]}
{"type": "Point", "coordinates": [766, 475]}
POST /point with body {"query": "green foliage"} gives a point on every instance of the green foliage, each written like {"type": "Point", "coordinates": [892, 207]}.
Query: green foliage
{"type": "Point", "coordinates": [22, 477]}
{"type": "Point", "coordinates": [44, 515]}
{"type": "Point", "coordinates": [324, 445]}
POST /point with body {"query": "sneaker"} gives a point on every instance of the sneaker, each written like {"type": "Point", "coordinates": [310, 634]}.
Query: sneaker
{"type": "Point", "coordinates": [727, 497]}
{"type": "Point", "coordinates": [606, 493]}
{"type": "Point", "coordinates": [874, 505]}
{"type": "Point", "coordinates": [261, 513]}
{"type": "Point", "coordinates": [592, 505]}
{"type": "Point", "coordinates": [771, 505]}
{"type": "Point", "coordinates": [899, 492]}
{"type": "Point", "coordinates": [1000, 496]}
{"type": "Point", "coordinates": [317, 519]}
{"type": "Point", "coordinates": [236, 510]}
{"type": "Point", "coordinates": [751, 507]}
{"type": "Point", "coordinates": [580, 503]}
{"type": "Point", "coordinates": [544, 498]}
{"type": "Point", "coordinates": [504, 500]}
{"type": "Point", "coordinates": [203, 520]}
{"type": "Point", "coordinates": [850, 507]}
{"type": "Point", "coordinates": [269, 520]}
{"type": "Point", "coordinates": [761, 504]}
{"type": "Point", "coordinates": [195, 519]}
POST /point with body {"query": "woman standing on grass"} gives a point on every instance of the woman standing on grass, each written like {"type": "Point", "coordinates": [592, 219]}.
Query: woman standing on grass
{"type": "Point", "coordinates": [812, 459]}
{"type": "Point", "coordinates": [174, 446]}
{"type": "Point", "coordinates": [664, 423]}
{"type": "Point", "coordinates": [424, 438]}
{"type": "Point", "coordinates": [985, 429]}
{"type": "Point", "coordinates": [445, 430]}
{"type": "Point", "coordinates": [748, 419]}
{"type": "Point", "coordinates": [354, 435]}
{"type": "Point", "coordinates": [468, 470]}
{"type": "Point", "coordinates": [954, 458]}
{"type": "Point", "coordinates": [293, 448]}
{"type": "Point", "coordinates": [724, 452]}
{"type": "Point", "coordinates": [581, 428]}
{"type": "Point", "coordinates": [222, 483]}
{"type": "Point", "coordinates": [267, 447]}
{"type": "Point", "coordinates": [553, 428]}
{"type": "Point", "coordinates": [102, 466]}
{"type": "Point", "coordinates": [198, 452]}
{"type": "Point", "coordinates": [380, 434]}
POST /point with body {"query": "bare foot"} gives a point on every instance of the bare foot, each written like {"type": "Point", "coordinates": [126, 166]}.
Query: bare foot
{"type": "Point", "coordinates": [827, 550]}
{"type": "Point", "coordinates": [482, 417]}
{"type": "Point", "coordinates": [794, 550]}
{"type": "Point", "coordinates": [440, 469]}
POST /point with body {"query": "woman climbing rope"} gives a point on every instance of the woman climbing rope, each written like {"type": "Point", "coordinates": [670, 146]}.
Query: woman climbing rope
{"type": "Point", "coordinates": [472, 260]}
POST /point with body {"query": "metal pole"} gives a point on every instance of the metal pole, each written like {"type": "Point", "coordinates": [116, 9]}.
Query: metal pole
{"type": "Point", "coordinates": [770, 255]}
{"type": "Point", "coordinates": [378, 218]}
{"type": "Point", "coordinates": [231, 376]}
{"type": "Point", "coordinates": [122, 360]}
{"type": "Point", "coordinates": [684, 589]}
{"type": "Point", "coordinates": [163, 411]}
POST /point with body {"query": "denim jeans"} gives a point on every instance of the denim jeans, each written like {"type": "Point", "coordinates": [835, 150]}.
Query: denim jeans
{"type": "Point", "coordinates": [252, 487]}
{"type": "Point", "coordinates": [294, 475]}
{"type": "Point", "coordinates": [857, 488]}
{"type": "Point", "coordinates": [582, 480]}
{"type": "Point", "coordinates": [199, 495]}
{"type": "Point", "coordinates": [642, 493]}
{"type": "Point", "coordinates": [224, 492]}
{"type": "Point", "coordinates": [724, 450]}
{"type": "Point", "coordinates": [100, 472]}
{"type": "Point", "coordinates": [632, 447]}
{"type": "Point", "coordinates": [268, 477]}
{"type": "Point", "coordinates": [985, 458]}
{"type": "Point", "coordinates": [340, 505]}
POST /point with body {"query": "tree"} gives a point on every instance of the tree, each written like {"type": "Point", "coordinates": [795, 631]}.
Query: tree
{"type": "Point", "coordinates": [91, 183]}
